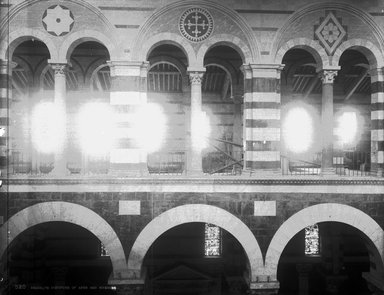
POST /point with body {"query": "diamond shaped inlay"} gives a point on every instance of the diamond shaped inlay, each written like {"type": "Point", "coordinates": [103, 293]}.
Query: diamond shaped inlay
{"type": "Point", "coordinates": [330, 32]}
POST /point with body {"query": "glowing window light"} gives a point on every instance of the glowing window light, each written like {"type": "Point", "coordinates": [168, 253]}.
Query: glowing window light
{"type": "Point", "coordinates": [312, 240]}
{"type": "Point", "coordinates": [212, 240]}
{"type": "Point", "coordinates": [298, 130]}
{"type": "Point", "coordinates": [347, 127]}
{"type": "Point", "coordinates": [48, 127]}
{"type": "Point", "coordinates": [200, 131]}
{"type": "Point", "coordinates": [95, 126]}
{"type": "Point", "coordinates": [149, 127]}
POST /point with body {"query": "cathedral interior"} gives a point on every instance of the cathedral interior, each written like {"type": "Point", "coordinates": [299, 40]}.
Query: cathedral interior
{"type": "Point", "coordinates": [191, 147]}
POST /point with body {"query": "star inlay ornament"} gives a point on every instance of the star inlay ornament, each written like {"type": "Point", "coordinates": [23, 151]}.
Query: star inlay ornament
{"type": "Point", "coordinates": [196, 24]}
{"type": "Point", "coordinates": [330, 32]}
{"type": "Point", "coordinates": [58, 20]}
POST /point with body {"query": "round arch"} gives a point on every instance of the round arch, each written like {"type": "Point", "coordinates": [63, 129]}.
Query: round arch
{"type": "Point", "coordinates": [225, 39]}
{"type": "Point", "coordinates": [71, 213]}
{"type": "Point", "coordinates": [367, 48]}
{"type": "Point", "coordinates": [17, 37]}
{"type": "Point", "coordinates": [169, 60]}
{"type": "Point", "coordinates": [145, 49]}
{"type": "Point", "coordinates": [195, 213]}
{"type": "Point", "coordinates": [79, 37]}
{"type": "Point", "coordinates": [322, 213]}
{"type": "Point", "coordinates": [318, 52]}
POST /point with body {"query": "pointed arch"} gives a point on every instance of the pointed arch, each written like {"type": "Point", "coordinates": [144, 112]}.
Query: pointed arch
{"type": "Point", "coordinates": [71, 213]}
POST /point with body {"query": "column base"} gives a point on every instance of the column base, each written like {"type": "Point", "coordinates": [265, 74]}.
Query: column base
{"type": "Point", "coordinates": [262, 173]}
{"type": "Point", "coordinates": [60, 171]}
{"type": "Point", "coordinates": [331, 171]}
{"type": "Point", "coordinates": [264, 288]}
{"type": "Point", "coordinates": [194, 173]}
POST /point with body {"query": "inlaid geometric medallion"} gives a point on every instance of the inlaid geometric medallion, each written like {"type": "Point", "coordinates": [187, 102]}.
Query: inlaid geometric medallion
{"type": "Point", "coordinates": [58, 20]}
{"type": "Point", "coordinates": [196, 24]}
{"type": "Point", "coordinates": [330, 32]}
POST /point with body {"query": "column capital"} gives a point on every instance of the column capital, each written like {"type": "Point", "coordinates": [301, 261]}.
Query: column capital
{"type": "Point", "coordinates": [263, 70]}
{"type": "Point", "coordinates": [59, 68]}
{"type": "Point", "coordinates": [196, 77]}
{"type": "Point", "coordinates": [127, 67]}
{"type": "Point", "coordinates": [328, 75]}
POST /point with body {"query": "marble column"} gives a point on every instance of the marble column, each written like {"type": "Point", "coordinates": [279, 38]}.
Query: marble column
{"type": "Point", "coordinates": [194, 159]}
{"type": "Point", "coordinates": [377, 122]}
{"type": "Point", "coordinates": [60, 162]}
{"type": "Point", "coordinates": [327, 77]}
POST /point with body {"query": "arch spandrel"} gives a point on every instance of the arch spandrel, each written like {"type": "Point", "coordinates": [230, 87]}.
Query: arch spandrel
{"type": "Point", "coordinates": [195, 213]}
{"type": "Point", "coordinates": [27, 17]}
{"type": "Point", "coordinates": [328, 212]}
{"type": "Point", "coordinates": [356, 23]}
{"type": "Point", "coordinates": [71, 213]}
{"type": "Point", "coordinates": [226, 22]}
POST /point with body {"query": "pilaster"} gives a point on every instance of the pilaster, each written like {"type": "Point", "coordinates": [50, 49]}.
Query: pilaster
{"type": "Point", "coordinates": [262, 102]}
{"type": "Point", "coordinates": [128, 94]}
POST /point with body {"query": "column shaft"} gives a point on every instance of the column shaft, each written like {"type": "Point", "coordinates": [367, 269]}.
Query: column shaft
{"type": "Point", "coordinates": [194, 159]}
{"type": "Point", "coordinates": [60, 164]}
{"type": "Point", "coordinates": [327, 77]}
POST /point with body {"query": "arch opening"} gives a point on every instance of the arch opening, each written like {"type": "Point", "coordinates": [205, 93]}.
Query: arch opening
{"type": "Point", "coordinates": [195, 213]}
{"type": "Point", "coordinates": [57, 254]}
{"type": "Point", "coordinates": [223, 101]}
{"type": "Point", "coordinates": [339, 268]}
{"type": "Point", "coordinates": [167, 87]}
{"type": "Point", "coordinates": [177, 258]}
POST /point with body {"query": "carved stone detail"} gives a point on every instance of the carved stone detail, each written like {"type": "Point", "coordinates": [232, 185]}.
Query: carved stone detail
{"type": "Point", "coordinates": [196, 77]}
{"type": "Point", "coordinates": [328, 76]}
{"type": "Point", "coordinates": [60, 69]}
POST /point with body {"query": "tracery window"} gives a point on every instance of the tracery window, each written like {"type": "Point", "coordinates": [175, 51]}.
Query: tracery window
{"type": "Point", "coordinates": [212, 240]}
{"type": "Point", "coordinates": [312, 240]}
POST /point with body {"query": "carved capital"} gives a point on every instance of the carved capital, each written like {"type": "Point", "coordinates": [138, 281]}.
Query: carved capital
{"type": "Point", "coordinates": [328, 76]}
{"type": "Point", "coordinates": [59, 69]}
{"type": "Point", "coordinates": [196, 78]}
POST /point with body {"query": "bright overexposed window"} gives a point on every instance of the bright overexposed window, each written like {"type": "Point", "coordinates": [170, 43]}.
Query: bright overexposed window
{"type": "Point", "coordinates": [298, 129]}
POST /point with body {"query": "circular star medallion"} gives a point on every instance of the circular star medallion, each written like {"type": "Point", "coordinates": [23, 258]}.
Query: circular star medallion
{"type": "Point", "coordinates": [58, 20]}
{"type": "Point", "coordinates": [196, 24]}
